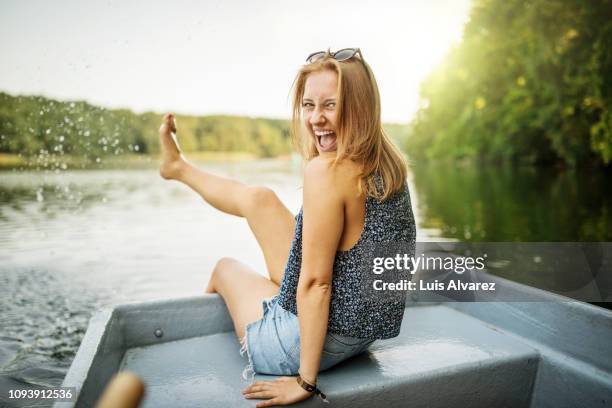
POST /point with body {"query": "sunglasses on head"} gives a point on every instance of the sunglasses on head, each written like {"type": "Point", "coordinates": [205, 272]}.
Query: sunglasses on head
{"type": "Point", "coordinates": [340, 55]}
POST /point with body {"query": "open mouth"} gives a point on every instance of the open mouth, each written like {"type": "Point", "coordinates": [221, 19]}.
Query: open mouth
{"type": "Point", "coordinates": [326, 141]}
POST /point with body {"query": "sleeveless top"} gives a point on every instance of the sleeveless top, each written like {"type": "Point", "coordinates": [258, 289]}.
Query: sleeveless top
{"type": "Point", "coordinates": [350, 313]}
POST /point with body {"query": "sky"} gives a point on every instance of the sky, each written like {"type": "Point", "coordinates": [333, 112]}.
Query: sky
{"type": "Point", "coordinates": [217, 57]}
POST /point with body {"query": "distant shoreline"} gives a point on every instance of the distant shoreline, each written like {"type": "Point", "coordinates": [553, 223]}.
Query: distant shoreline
{"type": "Point", "coordinates": [10, 161]}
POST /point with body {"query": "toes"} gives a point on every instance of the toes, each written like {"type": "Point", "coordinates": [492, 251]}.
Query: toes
{"type": "Point", "coordinates": [168, 119]}
{"type": "Point", "coordinates": [168, 123]}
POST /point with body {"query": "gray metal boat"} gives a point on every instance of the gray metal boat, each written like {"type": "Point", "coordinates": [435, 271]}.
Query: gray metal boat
{"type": "Point", "coordinates": [545, 352]}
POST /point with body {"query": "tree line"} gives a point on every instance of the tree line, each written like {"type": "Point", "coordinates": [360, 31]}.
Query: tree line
{"type": "Point", "coordinates": [35, 125]}
{"type": "Point", "coordinates": [30, 125]}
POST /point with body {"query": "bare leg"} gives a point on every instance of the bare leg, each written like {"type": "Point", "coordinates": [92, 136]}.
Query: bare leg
{"type": "Point", "coordinates": [271, 222]}
{"type": "Point", "coordinates": [242, 289]}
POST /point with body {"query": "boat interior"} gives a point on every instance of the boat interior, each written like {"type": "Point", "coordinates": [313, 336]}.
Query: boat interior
{"type": "Point", "coordinates": [478, 354]}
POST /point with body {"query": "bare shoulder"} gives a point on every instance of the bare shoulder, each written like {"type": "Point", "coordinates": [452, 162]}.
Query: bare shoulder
{"type": "Point", "coordinates": [319, 166]}
{"type": "Point", "coordinates": [342, 178]}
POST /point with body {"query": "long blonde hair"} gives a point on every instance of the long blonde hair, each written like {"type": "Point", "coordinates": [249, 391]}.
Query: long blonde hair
{"type": "Point", "coordinates": [359, 133]}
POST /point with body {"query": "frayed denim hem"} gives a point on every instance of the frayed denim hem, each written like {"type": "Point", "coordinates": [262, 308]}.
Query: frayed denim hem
{"type": "Point", "coordinates": [248, 374]}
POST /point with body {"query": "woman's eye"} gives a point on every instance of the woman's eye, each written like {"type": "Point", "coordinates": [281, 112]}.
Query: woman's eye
{"type": "Point", "coordinates": [310, 105]}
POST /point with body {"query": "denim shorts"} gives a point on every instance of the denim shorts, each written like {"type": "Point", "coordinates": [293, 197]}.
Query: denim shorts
{"type": "Point", "coordinates": [272, 344]}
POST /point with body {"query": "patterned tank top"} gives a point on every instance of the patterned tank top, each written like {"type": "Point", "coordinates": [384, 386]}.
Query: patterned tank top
{"type": "Point", "coordinates": [351, 313]}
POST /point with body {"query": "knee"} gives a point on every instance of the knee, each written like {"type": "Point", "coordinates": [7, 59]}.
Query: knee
{"type": "Point", "coordinates": [262, 197]}
{"type": "Point", "coordinates": [221, 267]}
{"type": "Point", "coordinates": [223, 264]}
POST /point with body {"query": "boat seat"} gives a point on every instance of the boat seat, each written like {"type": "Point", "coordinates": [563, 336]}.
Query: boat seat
{"type": "Point", "coordinates": [442, 358]}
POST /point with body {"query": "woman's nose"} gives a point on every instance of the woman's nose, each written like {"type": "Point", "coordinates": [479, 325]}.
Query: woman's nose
{"type": "Point", "coordinates": [317, 117]}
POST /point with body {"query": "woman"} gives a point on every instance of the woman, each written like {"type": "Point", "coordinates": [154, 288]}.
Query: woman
{"type": "Point", "coordinates": [355, 193]}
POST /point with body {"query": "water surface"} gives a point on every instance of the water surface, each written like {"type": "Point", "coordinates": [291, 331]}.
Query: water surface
{"type": "Point", "coordinates": [73, 241]}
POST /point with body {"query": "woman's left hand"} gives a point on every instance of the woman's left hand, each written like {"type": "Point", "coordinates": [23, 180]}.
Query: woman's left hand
{"type": "Point", "coordinates": [282, 391]}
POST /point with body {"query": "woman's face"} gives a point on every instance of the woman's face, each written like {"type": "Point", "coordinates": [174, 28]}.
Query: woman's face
{"type": "Point", "coordinates": [319, 109]}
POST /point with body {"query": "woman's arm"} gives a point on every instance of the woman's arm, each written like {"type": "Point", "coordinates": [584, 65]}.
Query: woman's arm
{"type": "Point", "coordinates": [323, 215]}
{"type": "Point", "coordinates": [323, 222]}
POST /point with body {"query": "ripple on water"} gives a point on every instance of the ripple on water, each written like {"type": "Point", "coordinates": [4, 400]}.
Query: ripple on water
{"type": "Point", "coordinates": [43, 317]}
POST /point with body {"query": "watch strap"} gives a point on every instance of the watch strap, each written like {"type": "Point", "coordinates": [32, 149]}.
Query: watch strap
{"type": "Point", "coordinates": [311, 388]}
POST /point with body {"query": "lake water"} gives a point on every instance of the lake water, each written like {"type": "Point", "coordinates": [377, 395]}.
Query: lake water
{"type": "Point", "coordinates": [527, 204]}
{"type": "Point", "coordinates": [72, 242]}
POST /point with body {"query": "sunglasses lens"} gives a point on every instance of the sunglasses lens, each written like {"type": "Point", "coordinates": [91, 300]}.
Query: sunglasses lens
{"type": "Point", "coordinates": [345, 54]}
{"type": "Point", "coordinates": [315, 57]}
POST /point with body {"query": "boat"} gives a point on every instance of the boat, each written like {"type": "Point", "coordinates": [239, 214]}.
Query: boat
{"type": "Point", "coordinates": [544, 351]}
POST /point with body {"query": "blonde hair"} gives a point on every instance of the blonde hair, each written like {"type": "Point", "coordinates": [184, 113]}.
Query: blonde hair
{"type": "Point", "coordinates": [359, 133]}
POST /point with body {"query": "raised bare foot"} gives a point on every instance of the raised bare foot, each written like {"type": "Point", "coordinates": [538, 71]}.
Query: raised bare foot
{"type": "Point", "coordinates": [173, 161]}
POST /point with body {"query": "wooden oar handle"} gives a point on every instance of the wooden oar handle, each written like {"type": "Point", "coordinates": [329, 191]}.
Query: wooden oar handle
{"type": "Point", "coordinates": [125, 390]}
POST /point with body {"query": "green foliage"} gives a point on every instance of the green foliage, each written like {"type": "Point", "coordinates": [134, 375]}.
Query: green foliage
{"type": "Point", "coordinates": [34, 126]}
{"type": "Point", "coordinates": [531, 82]}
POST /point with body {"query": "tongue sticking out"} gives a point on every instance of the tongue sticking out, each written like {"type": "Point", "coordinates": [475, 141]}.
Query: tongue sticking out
{"type": "Point", "coordinates": [328, 142]}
